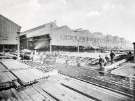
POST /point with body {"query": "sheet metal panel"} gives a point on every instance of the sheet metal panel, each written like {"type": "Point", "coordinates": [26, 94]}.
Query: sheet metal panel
{"type": "Point", "coordinates": [67, 37]}
{"type": "Point", "coordinates": [8, 31]}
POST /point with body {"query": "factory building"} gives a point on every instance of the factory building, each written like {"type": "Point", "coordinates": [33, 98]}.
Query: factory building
{"type": "Point", "coordinates": [37, 38]}
{"type": "Point", "coordinates": [8, 34]}
{"type": "Point", "coordinates": [50, 36]}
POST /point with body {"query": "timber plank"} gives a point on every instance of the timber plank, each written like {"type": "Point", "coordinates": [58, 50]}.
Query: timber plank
{"type": "Point", "coordinates": [63, 93]}
{"type": "Point", "coordinates": [46, 96]}
{"type": "Point", "coordinates": [34, 94]}
{"type": "Point", "coordinates": [89, 89]}
{"type": "Point", "coordinates": [24, 96]}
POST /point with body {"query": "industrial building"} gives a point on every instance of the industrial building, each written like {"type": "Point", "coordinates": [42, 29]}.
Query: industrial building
{"type": "Point", "coordinates": [59, 77]}
{"type": "Point", "coordinates": [8, 34]}
{"type": "Point", "coordinates": [38, 37]}
{"type": "Point", "coordinates": [50, 36]}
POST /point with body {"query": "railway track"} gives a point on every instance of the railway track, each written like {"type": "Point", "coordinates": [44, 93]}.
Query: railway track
{"type": "Point", "coordinates": [123, 89]}
{"type": "Point", "coordinates": [129, 94]}
{"type": "Point", "coordinates": [50, 94]}
{"type": "Point", "coordinates": [80, 88]}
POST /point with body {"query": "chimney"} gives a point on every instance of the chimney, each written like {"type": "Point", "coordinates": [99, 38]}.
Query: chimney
{"type": "Point", "coordinates": [134, 51]}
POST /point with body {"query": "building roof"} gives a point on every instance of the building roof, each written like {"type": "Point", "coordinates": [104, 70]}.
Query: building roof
{"type": "Point", "coordinates": [40, 30]}
{"type": "Point", "coordinates": [62, 27]}
{"type": "Point", "coordinates": [9, 20]}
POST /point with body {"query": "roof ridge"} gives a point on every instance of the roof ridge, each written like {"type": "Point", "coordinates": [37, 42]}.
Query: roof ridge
{"type": "Point", "coordinates": [9, 20]}
{"type": "Point", "coordinates": [38, 27]}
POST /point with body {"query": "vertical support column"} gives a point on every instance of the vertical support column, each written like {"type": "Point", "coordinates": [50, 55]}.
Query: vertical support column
{"type": "Point", "coordinates": [78, 50]}
{"type": "Point", "coordinates": [3, 49]}
{"type": "Point", "coordinates": [18, 46]}
{"type": "Point", "coordinates": [131, 81]}
{"type": "Point", "coordinates": [50, 46]}
{"type": "Point", "coordinates": [27, 43]}
{"type": "Point", "coordinates": [134, 50]}
{"type": "Point", "coordinates": [35, 52]}
{"type": "Point", "coordinates": [134, 88]}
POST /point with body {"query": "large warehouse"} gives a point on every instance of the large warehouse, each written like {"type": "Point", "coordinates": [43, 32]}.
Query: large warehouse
{"type": "Point", "coordinates": [8, 34]}
{"type": "Point", "coordinates": [50, 35]}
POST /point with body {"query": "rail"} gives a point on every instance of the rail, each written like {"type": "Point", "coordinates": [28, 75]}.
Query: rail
{"type": "Point", "coordinates": [105, 85]}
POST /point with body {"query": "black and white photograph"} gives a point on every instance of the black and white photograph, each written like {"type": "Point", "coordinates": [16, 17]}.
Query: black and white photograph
{"type": "Point", "coordinates": [67, 50]}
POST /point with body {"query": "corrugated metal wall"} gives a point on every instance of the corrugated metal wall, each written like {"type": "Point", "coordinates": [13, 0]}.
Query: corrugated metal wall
{"type": "Point", "coordinates": [67, 37]}
{"type": "Point", "coordinates": [8, 31]}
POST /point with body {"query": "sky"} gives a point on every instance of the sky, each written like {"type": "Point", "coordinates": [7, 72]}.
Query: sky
{"type": "Point", "coordinates": [114, 17]}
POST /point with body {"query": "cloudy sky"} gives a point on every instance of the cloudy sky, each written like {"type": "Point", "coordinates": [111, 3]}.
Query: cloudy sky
{"type": "Point", "coordinates": [115, 17]}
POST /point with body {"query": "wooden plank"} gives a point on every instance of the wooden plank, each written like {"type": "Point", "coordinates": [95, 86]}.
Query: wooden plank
{"type": "Point", "coordinates": [34, 94]}
{"type": "Point", "coordinates": [24, 96]}
{"type": "Point", "coordinates": [2, 95]}
{"type": "Point", "coordinates": [18, 97]}
{"type": "Point", "coordinates": [11, 76]}
{"type": "Point", "coordinates": [6, 95]}
{"type": "Point", "coordinates": [115, 65]}
{"type": "Point", "coordinates": [6, 76]}
{"type": "Point", "coordinates": [14, 64]}
{"type": "Point", "coordinates": [30, 75]}
{"type": "Point", "coordinates": [126, 69]}
{"type": "Point", "coordinates": [63, 93]}
{"type": "Point", "coordinates": [89, 89]}
{"type": "Point", "coordinates": [2, 68]}
{"type": "Point", "coordinates": [46, 96]}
